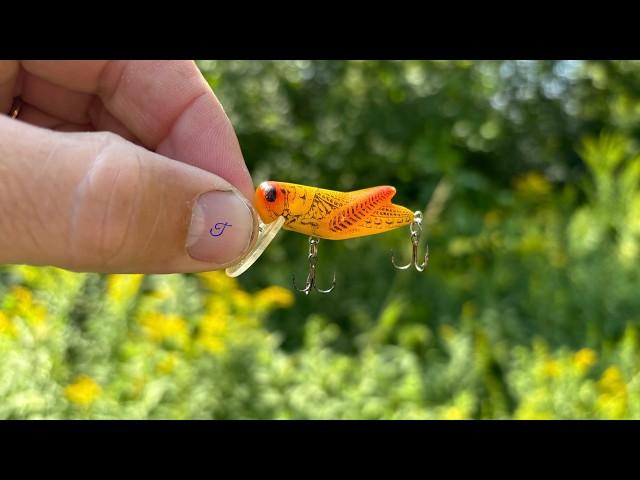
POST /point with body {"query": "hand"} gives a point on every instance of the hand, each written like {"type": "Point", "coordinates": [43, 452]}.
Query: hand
{"type": "Point", "coordinates": [119, 166]}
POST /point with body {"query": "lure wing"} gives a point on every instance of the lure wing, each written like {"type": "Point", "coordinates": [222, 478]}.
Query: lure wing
{"type": "Point", "coordinates": [359, 205]}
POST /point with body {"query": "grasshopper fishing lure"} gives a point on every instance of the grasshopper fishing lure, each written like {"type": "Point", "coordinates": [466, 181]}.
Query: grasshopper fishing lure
{"type": "Point", "coordinates": [331, 215]}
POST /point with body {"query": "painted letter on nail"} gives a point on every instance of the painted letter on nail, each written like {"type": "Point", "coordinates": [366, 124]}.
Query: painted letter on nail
{"type": "Point", "coordinates": [219, 227]}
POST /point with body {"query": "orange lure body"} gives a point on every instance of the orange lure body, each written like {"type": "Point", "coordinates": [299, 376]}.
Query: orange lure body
{"type": "Point", "coordinates": [329, 214]}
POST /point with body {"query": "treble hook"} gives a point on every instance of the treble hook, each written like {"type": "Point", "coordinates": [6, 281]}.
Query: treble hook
{"type": "Point", "coordinates": [311, 277]}
{"type": "Point", "coordinates": [416, 230]}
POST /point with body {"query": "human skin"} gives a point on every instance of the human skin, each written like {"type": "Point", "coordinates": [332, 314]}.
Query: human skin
{"type": "Point", "coordinates": [119, 166]}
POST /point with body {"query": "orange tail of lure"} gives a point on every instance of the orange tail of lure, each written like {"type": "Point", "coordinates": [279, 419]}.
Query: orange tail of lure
{"type": "Point", "coordinates": [330, 214]}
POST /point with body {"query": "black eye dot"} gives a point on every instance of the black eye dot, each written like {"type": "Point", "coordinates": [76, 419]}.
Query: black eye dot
{"type": "Point", "coordinates": [270, 194]}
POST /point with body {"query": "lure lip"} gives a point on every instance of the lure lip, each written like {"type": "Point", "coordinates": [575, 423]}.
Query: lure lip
{"type": "Point", "coordinates": [269, 225]}
{"type": "Point", "coordinates": [266, 234]}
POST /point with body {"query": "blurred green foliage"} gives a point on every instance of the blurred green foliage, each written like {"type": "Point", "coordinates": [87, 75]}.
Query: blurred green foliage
{"type": "Point", "coordinates": [528, 173]}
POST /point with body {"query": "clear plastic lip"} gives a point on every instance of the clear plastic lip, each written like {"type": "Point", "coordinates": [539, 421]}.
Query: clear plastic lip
{"type": "Point", "coordinates": [266, 233]}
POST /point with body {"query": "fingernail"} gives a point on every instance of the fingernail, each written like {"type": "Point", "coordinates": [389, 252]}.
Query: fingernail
{"type": "Point", "coordinates": [222, 224]}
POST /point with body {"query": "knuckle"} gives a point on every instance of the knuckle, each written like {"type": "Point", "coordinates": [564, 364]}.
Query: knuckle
{"type": "Point", "coordinates": [107, 202]}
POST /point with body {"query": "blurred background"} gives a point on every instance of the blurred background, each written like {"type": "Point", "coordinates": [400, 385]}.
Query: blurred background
{"type": "Point", "coordinates": [529, 176]}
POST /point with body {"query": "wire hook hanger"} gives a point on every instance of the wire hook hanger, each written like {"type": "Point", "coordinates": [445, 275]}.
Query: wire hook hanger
{"type": "Point", "coordinates": [311, 277]}
{"type": "Point", "coordinates": [416, 230]}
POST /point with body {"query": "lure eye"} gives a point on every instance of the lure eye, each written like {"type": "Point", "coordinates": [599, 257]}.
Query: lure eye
{"type": "Point", "coordinates": [270, 193]}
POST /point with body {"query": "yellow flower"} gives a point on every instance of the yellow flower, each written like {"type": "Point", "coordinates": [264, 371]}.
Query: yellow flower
{"type": "Point", "coordinates": [211, 343]}
{"type": "Point", "coordinates": [36, 316]}
{"type": "Point", "coordinates": [213, 330]}
{"type": "Point", "coordinates": [6, 326]}
{"type": "Point", "coordinates": [218, 281]}
{"type": "Point", "coordinates": [217, 305]}
{"type": "Point", "coordinates": [454, 413]}
{"type": "Point", "coordinates": [165, 327]}
{"type": "Point", "coordinates": [163, 292]}
{"type": "Point", "coordinates": [274, 297]}
{"type": "Point", "coordinates": [613, 399]}
{"type": "Point", "coordinates": [34, 313]}
{"type": "Point", "coordinates": [612, 406]}
{"type": "Point", "coordinates": [84, 391]}
{"type": "Point", "coordinates": [123, 287]}
{"type": "Point", "coordinates": [612, 380]}
{"type": "Point", "coordinates": [584, 359]}
{"type": "Point", "coordinates": [168, 363]}
{"type": "Point", "coordinates": [213, 324]}
{"type": "Point", "coordinates": [551, 368]}
{"type": "Point", "coordinates": [23, 296]}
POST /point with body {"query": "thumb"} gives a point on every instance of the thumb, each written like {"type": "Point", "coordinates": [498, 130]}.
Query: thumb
{"type": "Point", "coordinates": [96, 202]}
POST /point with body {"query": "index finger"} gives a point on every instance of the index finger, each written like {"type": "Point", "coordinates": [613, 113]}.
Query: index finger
{"type": "Point", "coordinates": [168, 105]}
